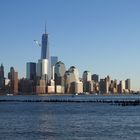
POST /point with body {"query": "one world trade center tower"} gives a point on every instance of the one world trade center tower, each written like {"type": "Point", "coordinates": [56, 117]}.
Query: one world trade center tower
{"type": "Point", "coordinates": [45, 46]}
{"type": "Point", "coordinates": [43, 66]}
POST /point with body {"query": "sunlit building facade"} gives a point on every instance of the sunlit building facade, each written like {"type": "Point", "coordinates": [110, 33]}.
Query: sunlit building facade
{"type": "Point", "coordinates": [54, 60]}
{"type": "Point", "coordinates": [128, 84]}
{"type": "Point", "coordinates": [72, 82]}
{"type": "Point", "coordinates": [13, 76]}
{"type": "Point", "coordinates": [42, 70]}
{"type": "Point", "coordinates": [86, 76]}
{"type": "Point", "coordinates": [59, 71]}
{"type": "Point", "coordinates": [122, 86]}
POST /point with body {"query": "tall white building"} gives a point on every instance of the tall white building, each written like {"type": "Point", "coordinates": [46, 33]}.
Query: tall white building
{"type": "Point", "coordinates": [43, 69]}
{"type": "Point", "coordinates": [54, 60]}
{"type": "Point", "coordinates": [74, 74]}
{"type": "Point", "coordinates": [72, 82]}
{"type": "Point", "coordinates": [87, 82]}
{"type": "Point", "coordinates": [122, 83]}
{"type": "Point", "coordinates": [86, 76]}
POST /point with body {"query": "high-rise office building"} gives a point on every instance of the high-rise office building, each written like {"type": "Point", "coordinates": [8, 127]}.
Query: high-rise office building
{"type": "Point", "coordinates": [74, 74]}
{"type": "Point", "coordinates": [28, 85]}
{"type": "Point", "coordinates": [42, 70]}
{"type": "Point", "coordinates": [113, 86]}
{"type": "Point", "coordinates": [1, 71]}
{"type": "Point", "coordinates": [13, 76]}
{"type": "Point", "coordinates": [59, 73]}
{"type": "Point", "coordinates": [122, 86]}
{"type": "Point", "coordinates": [31, 71]}
{"type": "Point", "coordinates": [72, 82]}
{"type": "Point", "coordinates": [43, 65]}
{"type": "Point", "coordinates": [54, 60]}
{"type": "Point", "coordinates": [59, 77]}
{"type": "Point", "coordinates": [128, 84]}
{"type": "Point", "coordinates": [87, 83]}
{"type": "Point", "coordinates": [1, 76]}
{"type": "Point", "coordinates": [95, 78]}
{"type": "Point", "coordinates": [86, 76]}
{"type": "Point", "coordinates": [45, 46]}
{"type": "Point", "coordinates": [104, 86]}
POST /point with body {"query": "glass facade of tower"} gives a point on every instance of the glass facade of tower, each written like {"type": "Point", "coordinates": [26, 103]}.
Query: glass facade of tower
{"type": "Point", "coordinates": [31, 71]}
{"type": "Point", "coordinates": [45, 47]}
{"type": "Point", "coordinates": [128, 84]}
{"type": "Point", "coordinates": [1, 76]}
{"type": "Point", "coordinates": [95, 78]}
{"type": "Point", "coordinates": [2, 71]}
{"type": "Point", "coordinates": [54, 60]}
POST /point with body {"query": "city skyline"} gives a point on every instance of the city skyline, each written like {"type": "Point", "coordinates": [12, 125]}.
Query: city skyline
{"type": "Point", "coordinates": [77, 43]}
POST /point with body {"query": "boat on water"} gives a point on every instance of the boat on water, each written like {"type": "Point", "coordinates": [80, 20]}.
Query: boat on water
{"type": "Point", "coordinates": [8, 94]}
{"type": "Point", "coordinates": [82, 93]}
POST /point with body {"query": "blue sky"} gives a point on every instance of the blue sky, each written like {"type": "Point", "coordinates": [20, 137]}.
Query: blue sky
{"type": "Point", "coordinates": [102, 36]}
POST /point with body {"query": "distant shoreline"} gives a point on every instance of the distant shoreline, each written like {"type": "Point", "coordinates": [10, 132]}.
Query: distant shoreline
{"type": "Point", "coordinates": [63, 94]}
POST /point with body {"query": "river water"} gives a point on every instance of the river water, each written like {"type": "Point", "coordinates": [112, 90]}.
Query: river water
{"type": "Point", "coordinates": [68, 120]}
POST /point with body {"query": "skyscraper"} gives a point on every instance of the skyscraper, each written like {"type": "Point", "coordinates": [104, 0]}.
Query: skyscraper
{"type": "Point", "coordinates": [1, 76]}
{"type": "Point", "coordinates": [2, 71]}
{"type": "Point", "coordinates": [74, 74]}
{"type": "Point", "coordinates": [45, 47]}
{"type": "Point", "coordinates": [42, 69]}
{"type": "Point", "coordinates": [13, 76]}
{"type": "Point", "coordinates": [86, 76]}
{"type": "Point", "coordinates": [54, 60]}
{"type": "Point", "coordinates": [59, 73]}
{"type": "Point", "coordinates": [128, 84]}
{"type": "Point", "coordinates": [72, 82]}
{"type": "Point", "coordinates": [43, 65]}
{"type": "Point", "coordinates": [59, 77]}
{"type": "Point", "coordinates": [87, 82]}
{"type": "Point", "coordinates": [95, 78]}
{"type": "Point", "coordinates": [31, 71]}
{"type": "Point", "coordinates": [104, 86]}
{"type": "Point", "coordinates": [122, 86]}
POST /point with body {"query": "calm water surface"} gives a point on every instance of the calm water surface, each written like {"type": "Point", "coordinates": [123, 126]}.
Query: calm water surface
{"type": "Point", "coordinates": [68, 121]}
